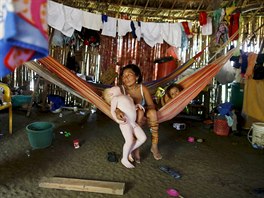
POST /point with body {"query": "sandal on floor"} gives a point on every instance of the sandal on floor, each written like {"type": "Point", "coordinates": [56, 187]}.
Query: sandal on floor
{"type": "Point", "coordinates": [111, 157]}
{"type": "Point", "coordinates": [258, 191]}
{"type": "Point", "coordinates": [157, 156]}
{"type": "Point", "coordinates": [137, 161]}
{"type": "Point", "coordinates": [170, 171]}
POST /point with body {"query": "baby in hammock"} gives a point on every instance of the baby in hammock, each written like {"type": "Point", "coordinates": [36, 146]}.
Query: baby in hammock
{"type": "Point", "coordinates": [133, 134]}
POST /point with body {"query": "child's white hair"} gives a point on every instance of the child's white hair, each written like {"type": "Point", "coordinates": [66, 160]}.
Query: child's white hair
{"type": "Point", "coordinates": [106, 95]}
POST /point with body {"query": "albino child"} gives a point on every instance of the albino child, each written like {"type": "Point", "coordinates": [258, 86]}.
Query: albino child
{"type": "Point", "coordinates": [133, 134]}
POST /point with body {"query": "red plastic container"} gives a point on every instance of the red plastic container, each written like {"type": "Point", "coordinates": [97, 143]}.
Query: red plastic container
{"type": "Point", "coordinates": [166, 65]}
{"type": "Point", "coordinates": [221, 127]}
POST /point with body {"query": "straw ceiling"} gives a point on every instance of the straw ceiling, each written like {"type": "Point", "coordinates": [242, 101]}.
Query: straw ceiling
{"type": "Point", "coordinates": [162, 10]}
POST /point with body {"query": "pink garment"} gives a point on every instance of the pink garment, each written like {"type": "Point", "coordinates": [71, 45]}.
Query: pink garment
{"type": "Point", "coordinates": [133, 134]}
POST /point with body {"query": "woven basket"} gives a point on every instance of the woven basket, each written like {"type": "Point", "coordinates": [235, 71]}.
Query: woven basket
{"type": "Point", "coordinates": [221, 127]}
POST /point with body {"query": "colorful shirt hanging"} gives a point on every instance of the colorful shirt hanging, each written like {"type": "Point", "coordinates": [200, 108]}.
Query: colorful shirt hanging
{"type": "Point", "coordinates": [23, 33]}
{"type": "Point", "coordinates": [187, 29]}
{"type": "Point", "coordinates": [222, 33]}
{"type": "Point", "coordinates": [234, 25]}
{"type": "Point", "coordinates": [202, 18]}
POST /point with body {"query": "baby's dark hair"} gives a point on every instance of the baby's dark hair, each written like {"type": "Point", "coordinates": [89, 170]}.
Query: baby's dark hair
{"type": "Point", "coordinates": [179, 87]}
{"type": "Point", "coordinates": [135, 69]}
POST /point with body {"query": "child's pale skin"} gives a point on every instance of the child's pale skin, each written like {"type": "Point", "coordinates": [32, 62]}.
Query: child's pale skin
{"type": "Point", "coordinates": [133, 134]}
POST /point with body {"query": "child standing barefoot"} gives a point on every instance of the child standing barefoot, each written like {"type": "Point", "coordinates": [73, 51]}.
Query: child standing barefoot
{"type": "Point", "coordinates": [133, 134]}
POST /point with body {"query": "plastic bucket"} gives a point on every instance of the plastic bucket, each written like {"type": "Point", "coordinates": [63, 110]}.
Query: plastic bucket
{"type": "Point", "coordinates": [257, 137]}
{"type": "Point", "coordinates": [40, 134]}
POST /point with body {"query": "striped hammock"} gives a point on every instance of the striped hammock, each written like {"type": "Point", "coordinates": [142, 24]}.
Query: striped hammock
{"type": "Point", "coordinates": [152, 85]}
{"type": "Point", "coordinates": [58, 74]}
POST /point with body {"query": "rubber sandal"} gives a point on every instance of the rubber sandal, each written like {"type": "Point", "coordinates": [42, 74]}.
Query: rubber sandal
{"type": "Point", "coordinates": [111, 157]}
{"type": "Point", "coordinates": [170, 171]}
{"type": "Point", "coordinates": [156, 156]}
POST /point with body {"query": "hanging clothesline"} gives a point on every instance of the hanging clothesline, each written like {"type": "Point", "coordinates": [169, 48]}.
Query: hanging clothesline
{"type": "Point", "coordinates": [67, 19]}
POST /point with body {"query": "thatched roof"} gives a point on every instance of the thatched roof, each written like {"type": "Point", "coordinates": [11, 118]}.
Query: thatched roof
{"type": "Point", "coordinates": [162, 9]}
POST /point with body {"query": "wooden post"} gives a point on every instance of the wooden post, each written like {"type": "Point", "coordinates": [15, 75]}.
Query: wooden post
{"type": "Point", "coordinates": [106, 187]}
{"type": "Point", "coordinates": [33, 96]}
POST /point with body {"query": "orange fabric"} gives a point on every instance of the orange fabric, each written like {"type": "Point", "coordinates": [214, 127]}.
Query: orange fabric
{"type": "Point", "coordinates": [78, 84]}
{"type": "Point", "coordinates": [192, 85]}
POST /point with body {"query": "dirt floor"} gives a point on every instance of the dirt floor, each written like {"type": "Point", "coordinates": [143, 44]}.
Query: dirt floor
{"type": "Point", "coordinates": [218, 167]}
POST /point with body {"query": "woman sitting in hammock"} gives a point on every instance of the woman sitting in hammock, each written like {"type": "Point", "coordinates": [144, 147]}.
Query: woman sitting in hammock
{"type": "Point", "coordinates": [131, 78]}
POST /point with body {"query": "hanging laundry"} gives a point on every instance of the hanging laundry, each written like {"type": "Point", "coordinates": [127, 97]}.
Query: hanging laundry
{"type": "Point", "coordinates": [73, 20]}
{"type": "Point", "coordinates": [23, 33]}
{"type": "Point", "coordinates": [207, 29]}
{"type": "Point", "coordinates": [172, 33]}
{"type": "Point", "coordinates": [109, 26]}
{"type": "Point", "coordinates": [202, 18]}
{"type": "Point", "coordinates": [187, 29]}
{"type": "Point", "coordinates": [151, 33]}
{"type": "Point", "coordinates": [218, 16]}
{"type": "Point", "coordinates": [123, 27]}
{"type": "Point", "coordinates": [92, 21]}
{"type": "Point", "coordinates": [222, 33]}
{"type": "Point", "coordinates": [136, 29]}
{"type": "Point", "coordinates": [57, 38]}
{"type": "Point", "coordinates": [228, 12]}
{"type": "Point", "coordinates": [234, 25]}
{"type": "Point", "coordinates": [55, 15]}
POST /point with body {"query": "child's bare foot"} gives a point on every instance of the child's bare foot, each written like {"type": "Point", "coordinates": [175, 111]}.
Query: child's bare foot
{"type": "Point", "coordinates": [130, 158]}
{"type": "Point", "coordinates": [155, 151]}
{"type": "Point", "coordinates": [126, 163]}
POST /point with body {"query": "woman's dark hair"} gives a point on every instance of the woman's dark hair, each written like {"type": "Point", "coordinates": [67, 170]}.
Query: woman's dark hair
{"type": "Point", "coordinates": [135, 69]}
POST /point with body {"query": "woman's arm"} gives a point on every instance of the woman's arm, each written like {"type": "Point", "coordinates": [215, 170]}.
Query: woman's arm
{"type": "Point", "coordinates": [113, 110]}
{"type": "Point", "coordinates": [148, 98]}
{"type": "Point", "coordinates": [120, 114]}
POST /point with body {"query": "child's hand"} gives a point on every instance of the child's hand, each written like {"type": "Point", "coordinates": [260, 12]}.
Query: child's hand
{"type": "Point", "coordinates": [139, 106]}
{"type": "Point", "coordinates": [122, 121]}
